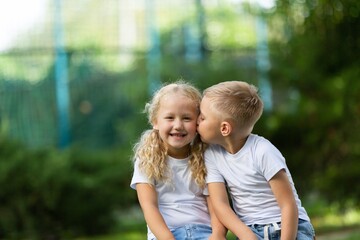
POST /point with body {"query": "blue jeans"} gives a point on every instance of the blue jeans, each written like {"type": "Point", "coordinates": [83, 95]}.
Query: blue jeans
{"type": "Point", "coordinates": [192, 232]}
{"type": "Point", "coordinates": [305, 231]}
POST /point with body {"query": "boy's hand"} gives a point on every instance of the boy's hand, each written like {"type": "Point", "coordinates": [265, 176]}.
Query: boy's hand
{"type": "Point", "coordinates": [217, 237]}
{"type": "Point", "coordinates": [249, 236]}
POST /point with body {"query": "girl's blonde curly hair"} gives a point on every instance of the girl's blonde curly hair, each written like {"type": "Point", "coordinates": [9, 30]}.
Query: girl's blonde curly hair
{"type": "Point", "coordinates": [151, 152]}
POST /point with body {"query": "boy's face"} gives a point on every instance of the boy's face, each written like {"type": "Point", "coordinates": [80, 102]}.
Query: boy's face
{"type": "Point", "coordinates": [208, 123]}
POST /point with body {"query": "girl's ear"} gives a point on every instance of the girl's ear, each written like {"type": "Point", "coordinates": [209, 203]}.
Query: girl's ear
{"type": "Point", "coordinates": [225, 128]}
{"type": "Point", "coordinates": [154, 125]}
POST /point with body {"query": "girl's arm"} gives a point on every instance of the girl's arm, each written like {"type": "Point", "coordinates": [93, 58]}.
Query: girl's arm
{"type": "Point", "coordinates": [282, 190]}
{"type": "Point", "coordinates": [218, 229]}
{"type": "Point", "coordinates": [148, 201]}
{"type": "Point", "coordinates": [225, 214]}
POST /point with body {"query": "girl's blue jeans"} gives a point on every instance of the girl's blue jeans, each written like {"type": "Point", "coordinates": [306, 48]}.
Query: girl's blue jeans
{"type": "Point", "coordinates": [192, 232]}
{"type": "Point", "coordinates": [273, 231]}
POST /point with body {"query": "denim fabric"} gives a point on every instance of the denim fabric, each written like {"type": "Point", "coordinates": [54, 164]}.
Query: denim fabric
{"type": "Point", "coordinates": [305, 231]}
{"type": "Point", "coordinates": [192, 232]}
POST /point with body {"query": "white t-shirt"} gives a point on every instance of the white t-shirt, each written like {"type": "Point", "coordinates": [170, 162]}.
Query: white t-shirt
{"type": "Point", "coordinates": [181, 202]}
{"type": "Point", "coordinates": [246, 174]}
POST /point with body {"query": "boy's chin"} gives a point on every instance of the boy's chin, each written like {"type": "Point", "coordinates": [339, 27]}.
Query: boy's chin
{"type": "Point", "coordinates": [204, 140]}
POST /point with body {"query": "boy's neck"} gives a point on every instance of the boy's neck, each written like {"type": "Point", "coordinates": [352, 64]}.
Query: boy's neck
{"type": "Point", "coordinates": [233, 144]}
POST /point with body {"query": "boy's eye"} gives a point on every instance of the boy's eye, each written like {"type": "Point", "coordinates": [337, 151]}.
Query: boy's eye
{"type": "Point", "coordinates": [169, 117]}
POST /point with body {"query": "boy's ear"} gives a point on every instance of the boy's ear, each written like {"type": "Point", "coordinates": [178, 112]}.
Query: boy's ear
{"type": "Point", "coordinates": [225, 128]}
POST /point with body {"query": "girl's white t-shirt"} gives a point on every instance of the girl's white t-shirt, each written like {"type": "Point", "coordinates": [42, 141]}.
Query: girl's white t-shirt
{"type": "Point", "coordinates": [247, 174]}
{"type": "Point", "coordinates": [181, 201]}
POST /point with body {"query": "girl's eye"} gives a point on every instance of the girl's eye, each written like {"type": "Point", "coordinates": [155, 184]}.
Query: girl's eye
{"type": "Point", "coordinates": [169, 117]}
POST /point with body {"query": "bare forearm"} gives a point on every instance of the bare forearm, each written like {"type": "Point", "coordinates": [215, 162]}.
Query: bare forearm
{"type": "Point", "coordinates": [289, 222]}
{"type": "Point", "coordinates": [157, 224]}
{"type": "Point", "coordinates": [219, 231]}
{"type": "Point", "coordinates": [148, 201]}
{"type": "Point", "coordinates": [225, 214]}
{"type": "Point", "coordinates": [233, 223]}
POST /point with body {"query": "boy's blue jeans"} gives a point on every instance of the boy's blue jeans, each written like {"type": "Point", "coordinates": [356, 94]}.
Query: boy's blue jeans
{"type": "Point", "coordinates": [192, 232]}
{"type": "Point", "coordinates": [273, 231]}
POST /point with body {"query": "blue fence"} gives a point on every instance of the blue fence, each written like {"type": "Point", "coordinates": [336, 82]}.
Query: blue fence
{"type": "Point", "coordinates": [81, 74]}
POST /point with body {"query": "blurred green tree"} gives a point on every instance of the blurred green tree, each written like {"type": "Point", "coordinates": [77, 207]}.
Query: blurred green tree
{"type": "Point", "coordinates": [316, 66]}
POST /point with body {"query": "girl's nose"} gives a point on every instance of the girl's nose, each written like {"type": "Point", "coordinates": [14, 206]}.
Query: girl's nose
{"type": "Point", "coordinates": [178, 124]}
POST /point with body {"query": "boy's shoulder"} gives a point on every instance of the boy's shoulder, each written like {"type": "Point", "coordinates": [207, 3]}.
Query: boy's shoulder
{"type": "Point", "coordinates": [255, 139]}
{"type": "Point", "coordinates": [258, 142]}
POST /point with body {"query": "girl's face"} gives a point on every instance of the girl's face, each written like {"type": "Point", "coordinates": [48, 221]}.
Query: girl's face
{"type": "Point", "coordinates": [176, 123]}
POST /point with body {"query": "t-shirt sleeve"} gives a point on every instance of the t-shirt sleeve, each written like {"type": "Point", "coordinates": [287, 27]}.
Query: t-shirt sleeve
{"type": "Point", "coordinates": [213, 173]}
{"type": "Point", "coordinates": [206, 191]}
{"type": "Point", "coordinates": [138, 176]}
{"type": "Point", "coordinates": [270, 159]}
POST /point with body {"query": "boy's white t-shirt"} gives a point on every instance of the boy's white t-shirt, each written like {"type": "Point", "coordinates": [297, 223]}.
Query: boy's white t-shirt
{"type": "Point", "coordinates": [181, 202]}
{"type": "Point", "coordinates": [246, 174]}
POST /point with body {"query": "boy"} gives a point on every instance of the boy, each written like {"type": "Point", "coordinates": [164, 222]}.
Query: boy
{"type": "Point", "coordinates": [254, 171]}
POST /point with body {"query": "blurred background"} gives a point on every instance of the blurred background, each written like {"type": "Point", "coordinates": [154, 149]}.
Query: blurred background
{"type": "Point", "coordinates": [75, 77]}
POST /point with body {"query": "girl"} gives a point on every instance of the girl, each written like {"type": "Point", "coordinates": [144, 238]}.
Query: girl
{"type": "Point", "coordinates": [169, 170]}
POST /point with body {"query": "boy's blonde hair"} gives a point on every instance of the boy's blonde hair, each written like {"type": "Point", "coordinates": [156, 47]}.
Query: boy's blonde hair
{"type": "Point", "coordinates": [237, 101]}
{"type": "Point", "coordinates": [151, 152]}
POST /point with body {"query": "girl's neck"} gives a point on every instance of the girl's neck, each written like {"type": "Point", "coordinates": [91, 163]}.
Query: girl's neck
{"type": "Point", "coordinates": [179, 153]}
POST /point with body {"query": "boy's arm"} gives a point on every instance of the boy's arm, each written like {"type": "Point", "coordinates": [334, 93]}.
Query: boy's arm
{"type": "Point", "coordinates": [148, 201]}
{"type": "Point", "coordinates": [223, 211]}
{"type": "Point", "coordinates": [282, 190]}
{"type": "Point", "coordinates": [219, 231]}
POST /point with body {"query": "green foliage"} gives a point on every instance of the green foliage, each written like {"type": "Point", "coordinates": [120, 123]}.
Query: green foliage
{"type": "Point", "coordinates": [101, 109]}
{"type": "Point", "coordinates": [317, 70]}
{"type": "Point", "coordinates": [47, 193]}
{"type": "Point", "coordinates": [104, 106]}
